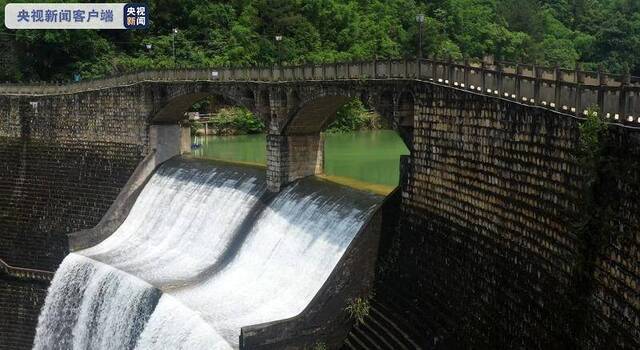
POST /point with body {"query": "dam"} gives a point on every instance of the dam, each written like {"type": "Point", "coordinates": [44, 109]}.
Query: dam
{"type": "Point", "coordinates": [499, 235]}
{"type": "Point", "coordinates": [204, 251]}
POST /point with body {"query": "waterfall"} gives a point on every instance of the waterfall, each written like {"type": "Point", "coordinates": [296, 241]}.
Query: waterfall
{"type": "Point", "coordinates": [182, 222]}
{"type": "Point", "coordinates": [289, 253]}
{"type": "Point", "coordinates": [174, 326]}
{"type": "Point", "coordinates": [223, 252]}
{"type": "Point", "coordinates": [91, 305]}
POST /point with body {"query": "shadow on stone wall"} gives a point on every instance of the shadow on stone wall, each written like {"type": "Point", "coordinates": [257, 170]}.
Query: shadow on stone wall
{"type": "Point", "coordinates": [487, 251]}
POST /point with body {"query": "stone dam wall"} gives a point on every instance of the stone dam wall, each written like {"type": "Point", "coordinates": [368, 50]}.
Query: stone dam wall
{"type": "Point", "coordinates": [614, 320]}
{"type": "Point", "coordinates": [63, 162]}
{"type": "Point", "coordinates": [8, 59]}
{"type": "Point", "coordinates": [50, 189]}
{"type": "Point", "coordinates": [487, 248]}
{"type": "Point", "coordinates": [20, 302]}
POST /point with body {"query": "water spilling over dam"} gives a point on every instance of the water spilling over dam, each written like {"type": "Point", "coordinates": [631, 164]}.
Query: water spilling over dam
{"type": "Point", "coordinates": [204, 251]}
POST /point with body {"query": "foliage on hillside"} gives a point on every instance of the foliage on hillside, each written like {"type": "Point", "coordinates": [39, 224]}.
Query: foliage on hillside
{"type": "Point", "coordinates": [213, 33]}
{"type": "Point", "coordinates": [232, 121]}
{"type": "Point", "coordinates": [353, 116]}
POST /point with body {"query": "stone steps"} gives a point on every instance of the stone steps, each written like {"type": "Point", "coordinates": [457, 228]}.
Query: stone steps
{"type": "Point", "coordinates": [411, 311]}
{"type": "Point", "coordinates": [384, 328]}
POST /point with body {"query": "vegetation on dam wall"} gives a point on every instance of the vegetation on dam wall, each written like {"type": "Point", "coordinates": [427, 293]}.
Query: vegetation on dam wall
{"type": "Point", "coordinates": [608, 233]}
{"type": "Point", "coordinates": [544, 258]}
{"type": "Point", "coordinates": [589, 225]}
{"type": "Point", "coordinates": [215, 33]}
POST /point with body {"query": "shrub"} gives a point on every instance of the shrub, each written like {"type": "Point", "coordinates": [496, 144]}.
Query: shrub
{"type": "Point", "coordinates": [592, 131]}
{"type": "Point", "coordinates": [353, 117]}
{"type": "Point", "coordinates": [319, 346]}
{"type": "Point", "coordinates": [359, 308]}
{"type": "Point", "coordinates": [236, 120]}
{"type": "Point", "coordinates": [245, 121]}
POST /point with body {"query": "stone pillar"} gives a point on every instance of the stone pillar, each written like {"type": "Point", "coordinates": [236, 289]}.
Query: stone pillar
{"type": "Point", "coordinates": [292, 157]}
{"type": "Point", "coordinates": [277, 161]}
{"type": "Point", "coordinates": [169, 141]}
{"type": "Point", "coordinates": [306, 155]}
{"type": "Point", "coordinates": [185, 139]}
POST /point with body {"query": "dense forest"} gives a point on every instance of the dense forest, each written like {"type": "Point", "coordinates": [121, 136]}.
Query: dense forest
{"type": "Point", "coordinates": [594, 33]}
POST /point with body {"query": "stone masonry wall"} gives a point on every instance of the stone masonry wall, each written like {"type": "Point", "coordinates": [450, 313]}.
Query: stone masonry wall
{"type": "Point", "coordinates": [291, 157]}
{"type": "Point", "coordinates": [306, 155]}
{"type": "Point", "coordinates": [8, 60]}
{"type": "Point", "coordinates": [486, 247]}
{"type": "Point", "coordinates": [614, 317]}
{"type": "Point", "coordinates": [63, 160]}
{"type": "Point", "coordinates": [20, 302]}
{"type": "Point", "coordinates": [49, 189]}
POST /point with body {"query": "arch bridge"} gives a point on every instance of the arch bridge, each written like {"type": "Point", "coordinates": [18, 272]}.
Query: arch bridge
{"type": "Point", "coordinates": [488, 199]}
{"type": "Point", "coordinates": [297, 103]}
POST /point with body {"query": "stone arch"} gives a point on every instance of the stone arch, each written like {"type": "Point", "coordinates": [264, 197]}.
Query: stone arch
{"type": "Point", "coordinates": [313, 116]}
{"type": "Point", "coordinates": [281, 95]}
{"type": "Point", "coordinates": [295, 149]}
{"type": "Point", "coordinates": [173, 110]}
{"type": "Point", "coordinates": [384, 105]}
{"type": "Point", "coordinates": [247, 98]}
{"type": "Point", "coordinates": [279, 100]}
{"type": "Point", "coordinates": [318, 110]}
{"type": "Point", "coordinates": [293, 100]}
{"type": "Point", "coordinates": [405, 110]}
{"type": "Point", "coordinates": [166, 134]}
{"type": "Point", "coordinates": [263, 105]}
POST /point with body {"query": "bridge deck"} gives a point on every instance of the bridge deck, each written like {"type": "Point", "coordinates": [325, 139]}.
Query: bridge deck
{"type": "Point", "coordinates": [573, 92]}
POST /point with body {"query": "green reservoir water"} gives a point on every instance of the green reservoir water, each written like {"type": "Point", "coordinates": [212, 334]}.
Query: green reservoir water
{"type": "Point", "coordinates": [369, 156]}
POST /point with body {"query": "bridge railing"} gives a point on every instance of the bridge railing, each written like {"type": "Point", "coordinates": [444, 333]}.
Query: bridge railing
{"type": "Point", "coordinates": [615, 97]}
{"type": "Point", "coordinates": [20, 272]}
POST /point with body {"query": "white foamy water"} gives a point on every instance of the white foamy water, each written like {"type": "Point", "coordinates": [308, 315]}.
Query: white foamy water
{"type": "Point", "coordinates": [176, 327]}
{"type": "Point", "coordinates": [224, 253]}
{"type": "Point", "coordinates": [289, 253]}
{"type": "Point", "coordinates": [180, 224]}
{"type": "Point", "coordinates": [91, 305]}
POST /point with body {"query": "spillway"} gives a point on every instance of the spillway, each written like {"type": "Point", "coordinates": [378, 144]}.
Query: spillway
{"type": "Point", "coordinates": [182, 222]}
{"type": "Point", "coordinates": [91, 305]}
{"type": "Point", "coordinates": [204, 251]}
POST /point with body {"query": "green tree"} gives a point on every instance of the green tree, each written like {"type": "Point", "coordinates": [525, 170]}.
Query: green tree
{"type": "Point", "coordinates": [241, 32]}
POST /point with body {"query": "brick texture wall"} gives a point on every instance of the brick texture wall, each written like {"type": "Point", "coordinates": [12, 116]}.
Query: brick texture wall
{"type": "Point", "coordinates": [614, 317]}
{"type": "Point", "coordinates": [7, 59]}
{"type": "Point", "coordinates": [486, 247]}
{"type": "Point", "coordinates": [64, 160]}
{"type": "Point", "coordinates": [48, 189]}
{"type": "Point", "coordinates": [20, 302]}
